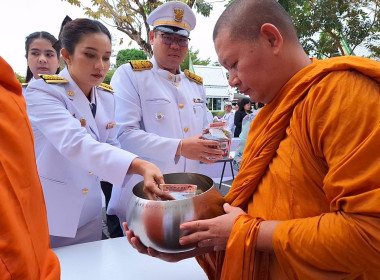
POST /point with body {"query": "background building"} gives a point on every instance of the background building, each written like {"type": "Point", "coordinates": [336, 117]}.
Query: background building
{"type": "Point", "coordinates": [216, 85]}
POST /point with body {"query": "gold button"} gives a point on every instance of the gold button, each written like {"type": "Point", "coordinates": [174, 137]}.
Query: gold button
{"type": "Point", "coordinates": [179, 79]}
{"type": "Point", "coordinates": [181, 106]}
{"type": "Point", "coordinates": [170, 77]}
{"type": "Point", "coordinates": [91, 173]}
{"type": "Point", "coordinates": [186, 129]}
{"type": "Point", "coordinates": [176, 84]}
{"type": "Point", "coordinates": [83, 122]}
{"type": "Point", "coordinates": [84, 191]}
{"type": "Point", "coordinates": [70, 93]}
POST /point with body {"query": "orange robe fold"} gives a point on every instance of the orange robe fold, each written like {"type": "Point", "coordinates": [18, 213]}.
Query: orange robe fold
{"type": "Point", "coordinates": [312, 160]}
{"type": "Point", "coordinates": [24, 238]}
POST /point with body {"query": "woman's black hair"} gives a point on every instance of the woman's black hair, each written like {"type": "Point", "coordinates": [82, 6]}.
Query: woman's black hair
{"type": "Point", "coordinates": [243, 102]}
{"type": "Point", "coordinates": [72, 31]}
{"type": "Point", "coordinates": [40, 35]}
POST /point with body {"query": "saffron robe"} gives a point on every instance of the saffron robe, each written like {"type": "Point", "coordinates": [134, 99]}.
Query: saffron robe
{"type": "Point", "coordinates": [312, 160]}
{"type": "Point", "coordinates": [25, 252]}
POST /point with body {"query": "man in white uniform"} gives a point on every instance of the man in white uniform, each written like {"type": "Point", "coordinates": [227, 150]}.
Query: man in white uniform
{"type": "Point", "coordinates": [229, 117]}
{"type": "Point", "coordinates": [160, 110]}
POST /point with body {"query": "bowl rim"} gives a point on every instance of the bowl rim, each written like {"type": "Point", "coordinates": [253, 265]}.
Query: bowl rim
{"type": "Point", "coordinates": [180, 200]}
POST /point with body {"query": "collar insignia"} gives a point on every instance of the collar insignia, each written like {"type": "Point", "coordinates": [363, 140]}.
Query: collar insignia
{"type": "Point", "coordinates": [193, 77]}
{"type": "Point", "coordinates": [51, 79]}
{"type": "Point", "coordinates": [140, 65]}
{"type": "Point", "coordinates": [106, 87]}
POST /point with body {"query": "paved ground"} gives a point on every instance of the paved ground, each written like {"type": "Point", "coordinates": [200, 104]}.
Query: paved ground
{"type": "Point", "coordinates": [224, 188]}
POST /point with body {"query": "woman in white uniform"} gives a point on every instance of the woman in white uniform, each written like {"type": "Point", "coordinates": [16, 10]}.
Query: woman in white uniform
{"type": "Point", "coordinates": [42, 55]}
{"type": "Point", "coordinates": [73, 121]}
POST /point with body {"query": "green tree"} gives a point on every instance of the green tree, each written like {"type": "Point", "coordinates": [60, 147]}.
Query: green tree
{"type": "Point", "coordinates": [123, 56]}
{"type": "Point", "coordinates": [20, 78]}
{"type": "Point", "coordinates": [109, 75]}
{"type": "Point", "coordinates": [194, 58]}
{"type": "Point", "coordinates": [330, 27]}
{"type": "Point", "coordinates": [129, 16]}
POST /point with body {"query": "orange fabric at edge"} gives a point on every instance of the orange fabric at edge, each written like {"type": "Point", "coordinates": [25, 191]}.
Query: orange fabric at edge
{"type": "Point", "coordinates": [269, 129]}
{"type": "Point", "coordinates": [25, 252]}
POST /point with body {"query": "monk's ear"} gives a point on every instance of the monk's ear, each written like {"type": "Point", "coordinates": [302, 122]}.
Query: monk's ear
{"type": "Point", "coordinates": [272, 36]}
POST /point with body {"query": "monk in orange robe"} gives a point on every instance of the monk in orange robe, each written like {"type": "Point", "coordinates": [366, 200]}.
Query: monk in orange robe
{"type": "Point", "coordinates": [25, 251]}
{"type": "Point", "coordinates": [306, 201]}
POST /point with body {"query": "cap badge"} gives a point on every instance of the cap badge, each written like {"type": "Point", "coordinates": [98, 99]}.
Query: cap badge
{"type": "Point", "coordinates": [178, 14]}
{"type": "Point", "coordinates": [159, 116]}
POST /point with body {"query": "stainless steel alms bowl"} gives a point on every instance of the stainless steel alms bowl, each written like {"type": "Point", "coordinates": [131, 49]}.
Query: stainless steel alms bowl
{"type": "Point", "coordinates": [156, 223]}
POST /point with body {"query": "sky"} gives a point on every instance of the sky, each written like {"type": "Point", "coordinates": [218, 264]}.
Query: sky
{"type": "Point", "coordinates": [22, 17]}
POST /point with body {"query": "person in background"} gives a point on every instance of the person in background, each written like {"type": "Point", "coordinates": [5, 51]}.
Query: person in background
{"type": "Point", "coordinates": [160, 110]}
{"type": "Point", "coordinates": [246, 123]}
{"type": "Point", "coordinates": [229, 117]}
{"type": "Point", "coordinates": [305, 204]}
{"type": "Point", "coordinates": [24, 236]}
{"type": "Point", "coordinates": [244, 109]}
{"type": "Point", "coordinates": [235, 107]}
{"type": "Point", "coordinates": [73, 120]}
{"type": "Point", "coordinates": [42, 55]}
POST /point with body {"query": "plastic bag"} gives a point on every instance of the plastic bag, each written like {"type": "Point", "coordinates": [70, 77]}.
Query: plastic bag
{"type": "Point", "coordinates": [218, 131]}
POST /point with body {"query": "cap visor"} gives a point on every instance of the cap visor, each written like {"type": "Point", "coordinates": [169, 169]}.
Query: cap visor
{"type": "Point", "coordinates": [172, 30]}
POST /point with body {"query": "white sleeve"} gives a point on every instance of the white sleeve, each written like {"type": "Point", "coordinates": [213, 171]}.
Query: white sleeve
{"type": "Point", "coordinates": [48, 113]}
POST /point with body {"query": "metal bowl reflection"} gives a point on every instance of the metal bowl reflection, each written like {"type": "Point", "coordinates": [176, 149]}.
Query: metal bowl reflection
{"type": "Point", "coordinates": [156, 223]}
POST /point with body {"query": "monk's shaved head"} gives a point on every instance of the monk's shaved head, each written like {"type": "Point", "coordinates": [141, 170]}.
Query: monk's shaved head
{"type": "Point", "coordinates": [244, 18]}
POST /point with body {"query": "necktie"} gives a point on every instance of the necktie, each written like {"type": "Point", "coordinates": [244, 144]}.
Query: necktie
{"type": "Point", "coordinates": [93, 109]}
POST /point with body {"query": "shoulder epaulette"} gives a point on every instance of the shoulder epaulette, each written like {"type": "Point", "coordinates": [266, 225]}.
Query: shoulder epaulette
{"type": "Point", "coordinates": [193, 77]}
{"type": "Point", "coordinates": [106, 87]}
{"type": "Point", "coordinates": [24, 84]}
{"type": "Point", "coordinates": [140, 65]}
{"type": "Point", "coordinates": [51, 79]}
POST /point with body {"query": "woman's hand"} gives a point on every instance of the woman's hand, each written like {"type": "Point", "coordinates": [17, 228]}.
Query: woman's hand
{"type": "Point", "coordinates": [169, 257]}
{"type": "Point", "coordinates": [197, 148]}
{"type": "Point", "coordinates": [213, 232]}
{"type": "Point", "coordinates": [152, 178]}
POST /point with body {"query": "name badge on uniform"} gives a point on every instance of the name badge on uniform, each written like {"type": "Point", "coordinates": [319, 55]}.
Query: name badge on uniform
{"type": "Point", "coordinates": [198, 100]}
{"type": "Point", "coordinates": [110, 125]}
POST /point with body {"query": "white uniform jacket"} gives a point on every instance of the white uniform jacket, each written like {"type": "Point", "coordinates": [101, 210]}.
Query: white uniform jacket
{"type": "Point", "coordinates": [155, 109]}
{"type": "Point", "coordinates": [25, 85]}
{"type": "Point", "coordinates": [74, 151]}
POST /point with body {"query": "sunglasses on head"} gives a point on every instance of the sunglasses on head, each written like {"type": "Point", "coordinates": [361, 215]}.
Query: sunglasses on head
{"type": "Point", "coordinates": [170, 39]}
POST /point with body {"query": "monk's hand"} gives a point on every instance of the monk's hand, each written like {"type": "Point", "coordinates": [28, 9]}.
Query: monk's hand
{"type": "Point", "coordinates": [169, 257]}
{"type": "Point", "coordinates": [152, 179]}
{"type": "Point", "coordinates": [197, 148]}
{"type": "Point", "coordinates": [212, 232]}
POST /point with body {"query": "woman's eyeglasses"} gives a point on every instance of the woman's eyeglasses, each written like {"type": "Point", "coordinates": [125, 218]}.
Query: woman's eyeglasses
{"type": "Point", "coordinates": [170, 39]}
